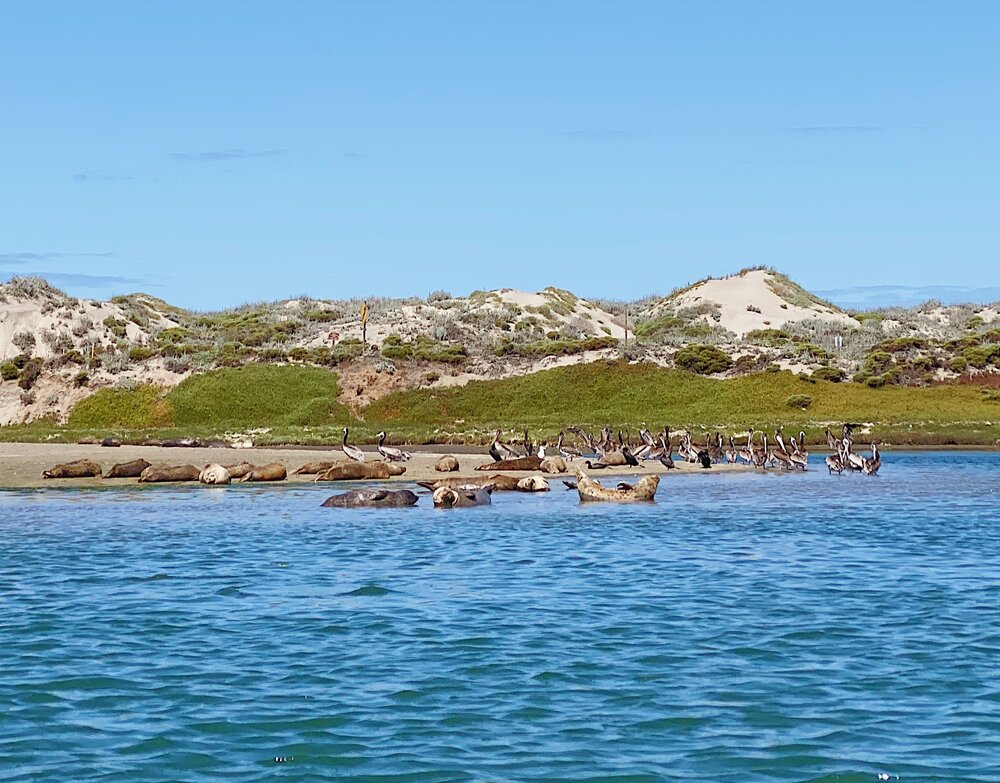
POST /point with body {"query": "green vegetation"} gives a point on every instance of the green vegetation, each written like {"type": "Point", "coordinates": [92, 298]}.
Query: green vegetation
{"type": "Point", "coordinates": [143, 407]}
{"type": "Point", "coordinates": [621, 394]}
{"type": "Point", "coordinates": [800, 401]}
{"type": "Point", "coordinates": [251, 396]}
{"type": "Point", "coordinates": [703, 359]}
{"type": "Point", "coordinates": [423, 348]}
{"type": "Point", "coordinates": [298, 405]}
{"type": "Point", "coordinates": [555, 347]}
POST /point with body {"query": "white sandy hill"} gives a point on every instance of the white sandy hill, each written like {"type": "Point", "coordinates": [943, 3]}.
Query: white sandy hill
{"type": "Point", "coordinates": [482, 313]}
{"type": "Point", "coordinates": [59, 323]}
{"type": "Point", "coordinates": [748, 300]}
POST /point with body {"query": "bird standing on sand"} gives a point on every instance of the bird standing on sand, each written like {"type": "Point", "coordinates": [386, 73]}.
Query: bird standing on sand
{"type": "Point", "coordinates": [390, 454]}
{"type": "Point", "coordinates": [352, 452]}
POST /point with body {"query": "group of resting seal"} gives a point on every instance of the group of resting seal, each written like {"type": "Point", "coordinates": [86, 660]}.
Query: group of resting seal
{"type": "Point", "coordinates": [454, 492]}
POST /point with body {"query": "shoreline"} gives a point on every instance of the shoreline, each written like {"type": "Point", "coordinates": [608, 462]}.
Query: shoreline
{"type": "Point", "coordinates": [21, 465]}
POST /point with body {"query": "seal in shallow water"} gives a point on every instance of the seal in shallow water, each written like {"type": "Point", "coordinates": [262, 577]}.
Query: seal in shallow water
{"type": "Point", "coordinates": [460, 497]}
{"type": "Point", "coordinates": [372, 498]}
{"type": "Point", "coordinates": [643, 489]}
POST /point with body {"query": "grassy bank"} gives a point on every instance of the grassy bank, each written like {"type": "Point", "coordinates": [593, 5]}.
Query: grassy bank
{"type": "Point", "coordinates": [298, 405]}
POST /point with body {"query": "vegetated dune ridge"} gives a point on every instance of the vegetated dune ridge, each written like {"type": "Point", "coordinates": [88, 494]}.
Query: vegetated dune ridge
{"type": "Point", "coordinates": [754, 299]}
{"type": "Point", "coordinates": [57, 350]}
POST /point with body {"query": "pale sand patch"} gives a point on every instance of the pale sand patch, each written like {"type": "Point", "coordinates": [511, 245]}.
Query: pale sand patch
{"type": "Point", "coordinates": [21, 464]}
{"type": "Point", "coordinates": [734, 294]}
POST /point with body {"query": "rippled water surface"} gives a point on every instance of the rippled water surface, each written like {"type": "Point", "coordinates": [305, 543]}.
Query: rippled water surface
{"type": "Point", "coordinates": [743, 628]}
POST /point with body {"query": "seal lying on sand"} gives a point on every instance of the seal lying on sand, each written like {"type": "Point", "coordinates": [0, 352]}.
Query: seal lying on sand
{"type": "Point", "coordinates": [447, 464]}
{"type": "Point", "coordinates": [80, 468]}
{"type": "Point", "coordinates": [446, 497]}
{"type": "Point", "coordinates": [313, 468]}
{"type": "Point", "coordinates": [214, 474]}
{"type": "Point", "coordinates": [521, 463]}
{"type": "Point", "coordinates": [553, 465]}
{"type": "Point", "coordinates": [643, 489]}
{"type": "Point", "coordinates": [352, 471]}
{"type": "Point", "coordinates": [273, 471]}
{"type": "Point", "coordinates": [131, 469]}
{"type": "Point", "coordinates": [239, 469]}
{"type": "Point", "coordinates": [161, 473]}
{"type": "Point", "coordinates": [372, 498]}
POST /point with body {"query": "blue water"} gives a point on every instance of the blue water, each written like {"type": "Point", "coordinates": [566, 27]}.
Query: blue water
{"type": "Point", "coordinates": [744, 628]}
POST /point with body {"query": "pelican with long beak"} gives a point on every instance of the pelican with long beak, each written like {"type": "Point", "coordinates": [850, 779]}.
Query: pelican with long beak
{"type": "Point", "coordinates": [352, 452]}
{"type": "Point", "coordinates": [390, 454]}
{"type": "Point", "coordinates": [872, 465]}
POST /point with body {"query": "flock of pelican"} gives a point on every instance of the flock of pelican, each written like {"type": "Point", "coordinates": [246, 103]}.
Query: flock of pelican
{"type": "Point", "coordinates": [608, 452]}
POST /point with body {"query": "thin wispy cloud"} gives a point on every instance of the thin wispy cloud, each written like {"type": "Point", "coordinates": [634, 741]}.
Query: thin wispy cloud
{"type": "Point", "coordinates": [819, 130]}
{"type": "Point", "coordinates": [75, 280]}
{"type": "Point", "coordinates": [98, 176]}
{"type": "Point", "coordinates": [867, 297]}
{"type": "Point", "coordinates": [213, 156]}
{"type": "Point", "coordinates": [17, 259]}
{"type": "Point", "coordinates": [594, 133]}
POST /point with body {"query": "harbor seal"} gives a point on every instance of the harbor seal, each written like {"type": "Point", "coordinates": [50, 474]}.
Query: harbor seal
{"type": "Point", "coordinates": [500, 482]}
{"type": "Point", "coordinates": [239, 469]}
{"type": "Point", "coordinates": [521, 463]}
{"type": "Point", "coordinates": [533, 484]}
{"type": "Point", "coordinates": [354, 471]}
{"type": "Point", "coordinates": [372, 498]}
{"type": "Point", "coordinates": [314, 468]}
{"type": "Point", "coordinates": [643, 490]}
{"type": "Point", "coordinates": [553, 465]}
{"type": "Point", "coordinates": [156, 474]}
{"type": "Point", "coordinates": [460, 497]}
{"type": "Point", "coordinates": [131, 469]}
{"type": "Point", "coordinates": [447, 464]}
{"type": "Point", "coordinates": [80, 468]}
{"type": "Point", "coordinates": [214, 474]}
{"type": "Point", "coordinates": [273, 471]}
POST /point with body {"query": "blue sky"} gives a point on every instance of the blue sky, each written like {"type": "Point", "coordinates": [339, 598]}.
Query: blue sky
{"type": "Point", "coordinates": [221, 152]}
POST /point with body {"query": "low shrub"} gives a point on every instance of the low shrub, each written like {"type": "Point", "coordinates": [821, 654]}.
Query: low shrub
{"type": "Point", "coordinates": [703, 359]}
{"type": "Point", "coordinates": [832, 374]}
{"type": "Point", "coordinates": [800, 401]}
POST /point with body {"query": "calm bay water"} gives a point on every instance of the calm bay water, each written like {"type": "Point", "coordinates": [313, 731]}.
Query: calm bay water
{"type": "Point", "coordinates": [744, 628]}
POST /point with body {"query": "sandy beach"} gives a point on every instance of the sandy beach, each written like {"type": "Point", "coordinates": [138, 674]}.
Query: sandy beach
{"type": "Point", "coordinates": [21, 464]}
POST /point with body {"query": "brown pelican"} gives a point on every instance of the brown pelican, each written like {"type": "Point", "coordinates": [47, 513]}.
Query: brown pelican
{"type": "Point", "coordinates": [851, 460]}
{"type": "Point", "coordinates": [746, 453]}
{"type": "Point", "coordinates": [586, 437]}
{"type": "Point", "coordinates": [567, 452]}
{"type": "Point", "coordinates": [871, 466]}
{"type": "Point", "coordinates": [352, 452]}
{"type": "Point", "coordinates": [780, 453]}
{"type": "Point", "coordinates": [715, 451]}
{"type": "Point", "coordinates": [761, 456]}
{"type": "Point", "coordinates": [667, 455]}
{"type": "Point", "coordinates": [835, 462]}
{"type": "Point", "coordinates": [732, 455]}
{"type": "Point", "coordinates": [390, 454]}
{"type": "Point", "coordinates": [799, 458]}
{"type": "Point", "coordinates": [499, 450]}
